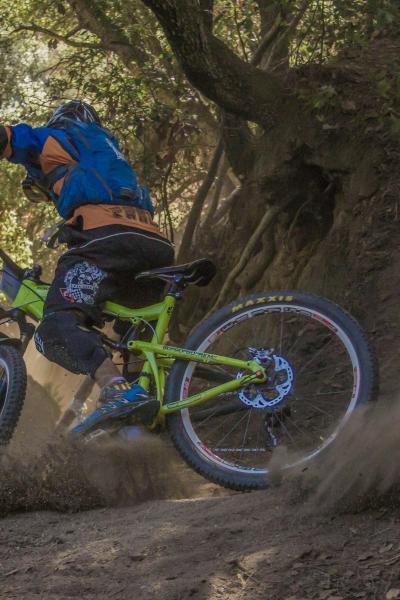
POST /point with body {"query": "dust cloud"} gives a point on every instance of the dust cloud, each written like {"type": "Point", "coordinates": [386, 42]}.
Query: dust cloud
{"type": "Point", "coordinates": [362, 469]}
{"type": "Point", "coordinates": [72, 477]}
{"type": "Point", "coordinates": [40, 472]}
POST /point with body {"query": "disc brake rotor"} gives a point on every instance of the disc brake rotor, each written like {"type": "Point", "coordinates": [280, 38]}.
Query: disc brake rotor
{"type": "Point", "coordinates": [279, 380]}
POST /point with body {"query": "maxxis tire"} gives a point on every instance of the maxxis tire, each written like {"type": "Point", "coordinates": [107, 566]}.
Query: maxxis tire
{"type": "Point", "coordinates": [11, 359]}
{"type": "Point", "coordinates": [249, 481]}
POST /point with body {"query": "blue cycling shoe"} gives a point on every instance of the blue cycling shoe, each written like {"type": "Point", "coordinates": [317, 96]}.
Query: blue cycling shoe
{"type": "Point", "coordinates": [119, 401]}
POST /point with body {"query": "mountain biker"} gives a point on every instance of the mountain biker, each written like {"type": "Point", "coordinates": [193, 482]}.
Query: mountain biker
{"type": "Point", "coordinates": [110, 234]}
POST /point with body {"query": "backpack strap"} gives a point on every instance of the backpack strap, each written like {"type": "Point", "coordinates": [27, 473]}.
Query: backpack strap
{"type": "Point", "coordinates": [82, 138]}
{"type": "Point", "coordinates": [54, 175]}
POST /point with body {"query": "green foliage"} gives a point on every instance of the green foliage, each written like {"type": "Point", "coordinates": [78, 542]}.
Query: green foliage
{"type": "Point", "coordinates": [13, 216]}
{"type": "Point", "coordinates": [49, 53]}
{"type": "Point", "coordinates": [325, 97]}
{"type": "Point", "coordinates": [328, 26]}
{"type": "Point", "coordinates": [238, 24]}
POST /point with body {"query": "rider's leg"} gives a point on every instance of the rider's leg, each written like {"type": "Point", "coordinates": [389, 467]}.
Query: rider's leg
{"type": "Point", "coordinates": [86, 276]}
{"type": "Point", "coordinates": [107, 373]}
{"type": "Point", "coordinates": [65, 338]}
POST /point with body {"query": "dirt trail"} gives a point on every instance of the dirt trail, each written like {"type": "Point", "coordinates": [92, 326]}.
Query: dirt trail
{"type": "Point", "coordinates": [134, 522]}
{"type": "Point", "coordinates": [246, 546]}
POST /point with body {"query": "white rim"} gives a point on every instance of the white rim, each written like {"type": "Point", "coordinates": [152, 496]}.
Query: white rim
{"type": "Point", "coordinates": [205, 453]}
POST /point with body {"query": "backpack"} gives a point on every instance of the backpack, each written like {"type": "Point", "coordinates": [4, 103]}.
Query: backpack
{"type": "Point", "coordinates": [102, 174]}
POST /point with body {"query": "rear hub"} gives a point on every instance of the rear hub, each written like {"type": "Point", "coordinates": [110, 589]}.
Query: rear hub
{"type": "Point", "coordinates": [278, 384]}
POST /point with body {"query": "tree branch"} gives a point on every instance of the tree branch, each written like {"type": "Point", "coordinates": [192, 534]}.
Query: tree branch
{"type": "Point", "coordinates": [207, 6]}
{"type": "Point", "coordinates": [269, 216]}
{"type": "Point", "coordinates": [214, 69]}
{"type": "Point", "coordinates": [239, 144]}
{"type": "Point", "coordinates": [241, 41]}
{"type": "Point", "coordinates": [268, 38]}
{"type": "Point", "coordinates": [176, 194]}
{"type": "Point", "coordinates": [287, 32]}
{"type": "Point", "coordinates": [227, 203]}
{"type": "Point", "coordinates": [223, 168]}
{"type": "Point", "coordinates": [167, 212]}
{"type": "Point", "coordinates": [113, 38]}
{"type": "Point", "coordinates": [268, 12]}
{"type": "Point", "coordinates": [65, 39]}
{"type": "Point", "coordinates": [198, 202]}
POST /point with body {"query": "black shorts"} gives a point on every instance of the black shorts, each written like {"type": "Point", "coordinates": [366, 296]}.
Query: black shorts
{"type": "Point", "coordinates": [100, 265]}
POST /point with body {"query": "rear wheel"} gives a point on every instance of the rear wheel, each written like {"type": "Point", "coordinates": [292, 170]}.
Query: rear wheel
{"type": "Point", "coordinates": [12, 390]}
{"type": "Point", "coordinates": [319, 368]}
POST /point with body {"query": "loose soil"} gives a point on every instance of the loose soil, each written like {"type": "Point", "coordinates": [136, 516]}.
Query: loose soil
{"type": "Point", "coordinates": [134, 522]}
{"type": "Point", "coordinates": [244, 546]}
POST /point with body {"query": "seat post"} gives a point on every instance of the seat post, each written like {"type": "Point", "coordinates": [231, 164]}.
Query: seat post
{"type": "Point", "coordinates": [176, 287]}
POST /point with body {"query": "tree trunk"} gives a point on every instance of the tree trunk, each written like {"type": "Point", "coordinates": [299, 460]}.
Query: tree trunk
{"type": "Point", "coordinates": [198, 202]}
{"type": "Point", "coordinates": [236, 86]}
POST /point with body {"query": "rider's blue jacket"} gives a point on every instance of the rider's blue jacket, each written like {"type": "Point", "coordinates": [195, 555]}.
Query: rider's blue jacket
{"type": "Point", "coordinates": [82, 168]}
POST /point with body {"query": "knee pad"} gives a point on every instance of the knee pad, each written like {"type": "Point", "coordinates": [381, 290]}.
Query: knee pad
{"type": "Point", "coordinates": [63, 339]}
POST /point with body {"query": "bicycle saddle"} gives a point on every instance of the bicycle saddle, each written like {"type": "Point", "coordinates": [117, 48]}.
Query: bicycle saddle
{"type": "Point", "coordinates": [199, 272]}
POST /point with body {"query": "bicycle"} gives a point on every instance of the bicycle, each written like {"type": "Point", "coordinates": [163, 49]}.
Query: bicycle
{"type": "Point", "coordinates": [282, 370]}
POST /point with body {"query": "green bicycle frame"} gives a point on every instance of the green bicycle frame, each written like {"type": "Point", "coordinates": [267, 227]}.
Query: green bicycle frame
{"type": "Point", "coordinates": [156, 355]}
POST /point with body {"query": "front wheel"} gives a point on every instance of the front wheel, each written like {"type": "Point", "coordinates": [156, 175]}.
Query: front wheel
{"type": "Point", "coordinates": [12, 390]}
{"type": "Point", "coordinates": [319, 368]}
